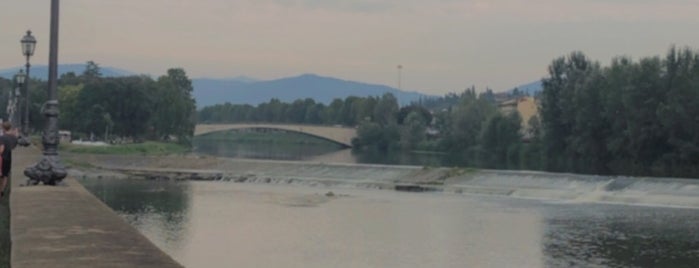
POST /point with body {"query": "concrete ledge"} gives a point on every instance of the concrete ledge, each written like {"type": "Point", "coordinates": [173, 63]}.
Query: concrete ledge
{"type": "Point", "coordinates": [66, 226]}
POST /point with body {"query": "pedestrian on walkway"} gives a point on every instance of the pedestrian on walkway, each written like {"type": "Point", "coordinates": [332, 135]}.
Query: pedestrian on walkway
{"type": "Point", "coordinates": [8, 142]}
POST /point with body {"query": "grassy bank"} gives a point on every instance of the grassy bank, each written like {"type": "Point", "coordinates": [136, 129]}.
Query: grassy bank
{"type": "Point", "coordinates": [145, 148]}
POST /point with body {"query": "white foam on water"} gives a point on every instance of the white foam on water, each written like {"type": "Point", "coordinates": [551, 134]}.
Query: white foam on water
{"type": "Point", "coordinates": [572, 188]}
{"type": "Point", "coordinates": [566, 187]}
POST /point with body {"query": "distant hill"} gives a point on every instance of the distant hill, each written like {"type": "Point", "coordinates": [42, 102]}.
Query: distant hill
{"type": "Point", "coordinates": [42, 71]}
{"type": "Point", "coordinates": [209, 92]}
{"type": "Point", "coordinates": [530, 89]}
{"type": "Point", "coordinates": [246, 90]}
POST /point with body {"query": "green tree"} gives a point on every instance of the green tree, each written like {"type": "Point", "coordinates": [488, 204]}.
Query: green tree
{"type": "Point", "coordinates": [466, 122]}
{"type": "Point", "coordinates": [386, 110]}
{"type": "Point", "coordinates": [67, 98]}
{"type": "Point", "coordinates": [500, 139]}
{"type": "Point", "coordinates": [413, 130]}
{"type": "Point", "coordinates": [174, 106]}
{"type": "Point", "coordinates": [558, 111]}
{"type": "Point", "coordinates": [92, 71]}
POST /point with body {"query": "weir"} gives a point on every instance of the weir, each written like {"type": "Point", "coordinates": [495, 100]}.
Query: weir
{"type": "Point", "coordinates": [66, 226]}
{"type": "Point", "coordinates": [516, 184]}
{"type": "Point", "coordinates": [581, 188]}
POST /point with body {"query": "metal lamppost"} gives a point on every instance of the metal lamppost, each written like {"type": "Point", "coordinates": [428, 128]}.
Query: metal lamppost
{"type": "Point", "coordinates": [20, 78]}
{"type": "Point", "coordinates": [50, 170]}
{"type": "Point", "coordinates": [28, 45]}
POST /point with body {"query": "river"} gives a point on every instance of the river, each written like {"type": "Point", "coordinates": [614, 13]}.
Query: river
{"type": "Point", "coordinates": [227, 224]}
{"type": "Point", "coordinates": [320, 151]}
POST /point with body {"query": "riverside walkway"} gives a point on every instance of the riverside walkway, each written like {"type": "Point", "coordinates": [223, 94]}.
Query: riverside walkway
{"type": "Point", "coordinates": [66, 226]}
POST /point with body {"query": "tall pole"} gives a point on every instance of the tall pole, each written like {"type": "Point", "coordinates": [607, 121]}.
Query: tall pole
{"type": "Point", "coordinates": [50, 170]}
{"type": "Point", "coordinates": [25, 117]}
{"type": "Point", "coordinates": [28, 45]}
{"type": "Point", "coordinates": [14, 117]}
{"type": "Point", "coordinates": [17, 105]}
{"type": "Point", "coordinates": [400, 69]}
{"type": "Point", "coordinates": [13, 108]}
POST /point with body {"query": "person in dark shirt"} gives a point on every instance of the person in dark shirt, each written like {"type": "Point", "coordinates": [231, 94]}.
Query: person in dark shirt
{"type": "Point", "coordinates": [8, 141]}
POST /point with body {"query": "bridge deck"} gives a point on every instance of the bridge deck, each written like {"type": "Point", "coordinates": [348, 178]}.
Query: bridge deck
{"type": "Point", "coordinates": [341, 135]}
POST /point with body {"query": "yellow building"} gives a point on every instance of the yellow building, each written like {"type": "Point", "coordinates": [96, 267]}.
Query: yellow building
{"type": "Point", "coordinates": [525, 106]}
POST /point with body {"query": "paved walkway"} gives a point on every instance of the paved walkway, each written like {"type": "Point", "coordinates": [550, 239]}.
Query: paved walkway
{"type": "Point", "coordinates": [66, 226]}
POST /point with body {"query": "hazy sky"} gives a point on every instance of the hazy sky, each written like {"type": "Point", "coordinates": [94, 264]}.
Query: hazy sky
{"type": "Point", "coordinates": [443, 45]}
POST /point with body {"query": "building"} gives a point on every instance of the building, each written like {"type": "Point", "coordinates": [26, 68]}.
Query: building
{"type": "Point", "coordinates": [525, 106]}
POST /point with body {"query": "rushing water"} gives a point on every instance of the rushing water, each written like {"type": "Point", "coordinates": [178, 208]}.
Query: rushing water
{"type": "Point", "coordinates": [225, 224]}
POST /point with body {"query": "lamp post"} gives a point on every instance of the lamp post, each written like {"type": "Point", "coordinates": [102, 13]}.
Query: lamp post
{"type": "Point", "coordinates": [28, 45]}
{"type": "Point", "coordinates": [15, 114]}
{"type": "Point", "coordinates": [49, 170]}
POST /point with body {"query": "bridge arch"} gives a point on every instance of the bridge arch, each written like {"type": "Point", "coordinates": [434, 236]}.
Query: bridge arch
{"type": "Point", "coordinates": [339, 135]}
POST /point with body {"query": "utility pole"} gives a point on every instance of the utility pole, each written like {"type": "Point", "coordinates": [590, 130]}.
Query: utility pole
{"type": "Point", "coordinates": [400, 69]}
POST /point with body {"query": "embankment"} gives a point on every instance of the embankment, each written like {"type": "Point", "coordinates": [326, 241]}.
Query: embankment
{"type": "Point", "coordinates": [66, 226]}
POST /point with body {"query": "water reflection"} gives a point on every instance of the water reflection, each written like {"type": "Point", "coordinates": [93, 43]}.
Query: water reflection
{"type": "Point", "coordinates": [159, 209]}
{"type": "Point", "coordinates": [254, 150]}
{"type": "Point", "coordinates": [216, 224]}
{"type": "Point", "coordinates": [621, 236]}
{"type": "Point", "coordinates": [328, 153]}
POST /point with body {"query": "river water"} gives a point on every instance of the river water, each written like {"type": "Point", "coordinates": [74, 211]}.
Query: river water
{"type": "Point", "coordinates": [316, 152]}
{"type": "Point", "coordinates": [226, 224]}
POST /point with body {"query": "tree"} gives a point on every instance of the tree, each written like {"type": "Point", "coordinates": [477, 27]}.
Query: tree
{"type": "Point", "coordinates": [558, 111]}
{"type": "Point", "coordinates": [68, 97]}
{"type": "Point", "coordinates": [499, 141]}
{"type": "Point", "coordinates": [92, 71]}
{"type": "Point", "coordinates": [386, 109]}
{"type": "Point", "coordinates": [466, 122]}
{"type": "Point", "coordinates": [174, 106]}
{"type": "Point", "coordinates": [403, 113]}
{"type": "Point", "coordinates": [413, 130]}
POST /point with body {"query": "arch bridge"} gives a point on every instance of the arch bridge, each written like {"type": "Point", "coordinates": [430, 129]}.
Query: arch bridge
{"type": "Point", "coordinates": [339, 135]}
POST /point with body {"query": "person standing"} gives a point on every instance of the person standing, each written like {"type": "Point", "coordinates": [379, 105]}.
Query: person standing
{"type": "Point", "coordinates": [8, 141]}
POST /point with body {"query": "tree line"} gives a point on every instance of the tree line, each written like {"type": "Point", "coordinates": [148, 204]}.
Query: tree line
{"type": "Point", "coordinates": [468, 123]}
{"type": "Point", "coordinates": [106, 108]}
{"type": "Point", "coordinates": [347, 112]}
{"type": "Point", "coordinates": [631, 117]}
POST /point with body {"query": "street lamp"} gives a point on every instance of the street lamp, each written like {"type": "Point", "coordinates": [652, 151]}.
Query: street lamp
{"type": "Point", "coordinates": [49, 170]}
{"type": "Point", "coordinates": [14, 114]}
{"type": "Point", "coordinates": [20, 76]}
{"type": "Point", "coordinates": [28, 45]}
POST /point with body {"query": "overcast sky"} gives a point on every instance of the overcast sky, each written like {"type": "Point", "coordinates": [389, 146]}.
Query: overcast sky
{"type": "Point", "coordinates": [443, 45]}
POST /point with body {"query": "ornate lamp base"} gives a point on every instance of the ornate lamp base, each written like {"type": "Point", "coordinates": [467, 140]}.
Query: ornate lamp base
{"type": "Point", "coordinates": [48, 171]}
{"type": "Point", "coordinates": [23, 141]}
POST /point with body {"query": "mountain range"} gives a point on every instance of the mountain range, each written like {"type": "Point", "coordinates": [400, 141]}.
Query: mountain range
{"type": "Point", "coordinates": [245, 90]}
{"type": "Point", "coordinates": [322, 89]}
{"type": "Point", "coordinates": [530, 89]}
